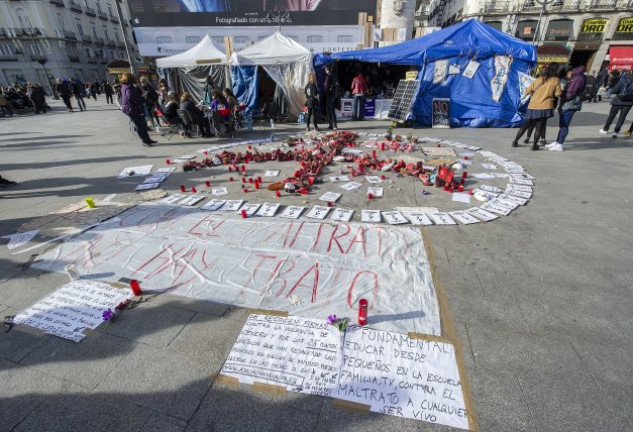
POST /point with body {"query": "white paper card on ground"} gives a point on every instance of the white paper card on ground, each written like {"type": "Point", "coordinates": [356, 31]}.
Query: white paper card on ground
{"type": "Point", "coordinates": [513, 199]}
{"type": "Point", "coordinates": [471, 69]}
{"type": "Point", "coordinates": [342, 215]}
{"type": "Point", "coordinates": [497, 209]}
{"type": "Point", "coordinates": [463, 217]}
{"type": "Point", "coordinates": [522, 188]}
{"type": "Point", "coordinates": [330, 196]}
{"type": "Point", "coordinates": [267, 210]}
{"type": "Point", "coordinates": [250, 209]}
{"type": "Point", "coordinates": [373, 179]}
{"type": "Point", "coordinates": [135, 171]}
{"type": "Point", "coordinates": [501, 175]}
{"type": "Point", "coordinates": [292, 212]}
{"type": "Point", "coordinates": [377, 192]}
{"type": "Point", "coordinates": [271, 173]}
{"type": "Point", "coordinates": [191, 200]}
{"type": "Point", "coordinates": [489, 166]}
{"type": "Point", "coordinates": [213, 205]}
{"type": "Point", "coordinates": [419, 218]}
{"type": "Point", "coordinates": [340, 178]}
{"type": "Point", "coordinates": [171, 199]}
{"type": "Point", "coordinates": [523, 175]}
{"type": "Point", "coordinates": [351, 186]}
{"type": "Point", "coordinates": [318, 212]}
{"type": "Point", "coordinates": [521, 181]}
{"type": "Point", "coordinates": [441, 218]}
{"type": "Point", "coordinates": [146, 186]}
{"type": "Point", "coordinates": [461, 197]}
{"type": "Point", "coordinates": [21, 238]}
{"type": "Point", "coordinates": [482, 214]}
{"type": "Point", "coordinates": [370, 216]}
{"type": "Point", "coordinates": [483, 176]}
{"type": "Point", "coordinates": [232, 205]}
{"type": "Point", "coordinates": [352, 151]}
{"type": "Point", "coordinates": [74, 307]}
{"type": "Point", "coordinates": [492, 189]}
{"type": "Point", "coordinates": [166, 170]}
{"type": "Point", "coordinates": [515, 192]}
{"type": "Point", "coordinates": [156, 178]}
{"type": "Point", "coordinates": [394, 218]}
{"type": "Point", "coordinates": [508, 204]}
{"type": "Point", "coordinates": [218, 191]}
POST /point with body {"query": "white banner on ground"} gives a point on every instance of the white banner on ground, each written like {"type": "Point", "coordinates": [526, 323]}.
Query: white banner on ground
{"type": "Point", "coordinates": [264, 263]}
{"type": "Point", "coordinates": [389, 372]}
{"type": "Point", "coordinates": [75, 307]}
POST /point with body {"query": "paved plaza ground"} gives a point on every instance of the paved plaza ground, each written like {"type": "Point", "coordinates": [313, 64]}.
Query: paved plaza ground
{"type": "Point", "coordinates": [541, 300]}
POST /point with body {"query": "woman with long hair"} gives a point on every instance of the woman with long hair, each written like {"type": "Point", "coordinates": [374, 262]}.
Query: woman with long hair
{"type": "Point", "coordinates": [312, 101]}
{"type": "Point", "coordinates": [132, 105]}
{"type": "Point", "coordinates": [544, 90]}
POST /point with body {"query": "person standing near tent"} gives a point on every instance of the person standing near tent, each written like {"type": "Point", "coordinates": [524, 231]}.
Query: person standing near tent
{"type": "Point", "coordinates": [132, 106]}
{"type": "Point", "coordinates": [359, 90]}
{"type": "Point", "coordinates": [570, 103]}
{"type": "Point", "coordinates": [209, 86]}
{"type": "Point", "coordinates": [621, 103]}
{"type": "Point", "coordinates": [543, 90]}
{"type": "Point", "coordinates": [312, 101]}
{"type": "Point", "coordinates": [150, 97]}
{"type": "Point", "coordinates": [331, 88]}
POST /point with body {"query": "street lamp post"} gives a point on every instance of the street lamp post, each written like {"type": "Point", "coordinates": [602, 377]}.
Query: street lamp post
{"type": "Point", "coordinates": [543, 4]}
{"type": "Point", "coordinates": [127, 48]}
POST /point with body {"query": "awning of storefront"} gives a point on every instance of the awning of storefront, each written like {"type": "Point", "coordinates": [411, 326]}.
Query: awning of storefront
{"type": "Point", "coordinates": [621, 57]}
{"type": "Point", "coordinates": [552, 54]}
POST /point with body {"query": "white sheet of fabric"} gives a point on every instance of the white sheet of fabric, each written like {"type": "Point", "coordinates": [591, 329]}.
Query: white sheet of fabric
{"type": "Point", "coordinates": [287, 62]}
{"type": "Point", "coordinates": [205, 51]}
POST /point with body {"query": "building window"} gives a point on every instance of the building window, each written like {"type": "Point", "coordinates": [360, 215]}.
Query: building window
{"type": "Point", "coordinates": [116, 36]}
{"type": "Point", "coordinates": [105, 32]}
{"type": "Point", "coordinates": [111, 55]}
{"type": "Point", "coordinates": [192, 39]}
{"type": "Point", "coordinates": [98, 6]}
{"type": "Point", "coordinates": [35, 50]}
{"type": "Point", "coordinates": [23, 18]}
{"type": "Point", "coordinates": [315, 39]}
{"type": "Point", "coordinates": [163, 39]}
{"type": "Point", "coordinates": [88, 52]}
{"type": "Point", "coordinates": [6, 50]}
{"type": "Point", "coordinates": [110, 9]}
{"type": "Point", "coordinates": [80, 29]}
{"type": "Point", "coordinates": [345, 38]}
{"type": "Point", "coordinates": [241, 39]}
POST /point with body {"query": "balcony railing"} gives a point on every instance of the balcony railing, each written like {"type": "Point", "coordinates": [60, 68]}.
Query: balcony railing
{"type": "Point", "coordinates": [99, 41]}
{"type": "Point", "coordinates": [86, 38]}
{"type": "Point", "coordinates": [503, 6]}
{"type": "Point", "coordinates": [102, 15]}
{"type": "Point", "coordinates": [58, 2]}
{"type": "Point", "coordinates": [8, 58]}
{"type": "Point", "coordinates": [74, 6]}
{"type": "Point", "coordinates": [70, 35]}
{"type": "Point", "coordinates": [113, 19]}
{"type": "Point", "coordinates": [28, 32]}
{"type": "Point", "coordinates": [90, 11]}
{"type": "Point", "coordinates": [533, 6]}
{"type": "Point", "coordinates": [74, 59]}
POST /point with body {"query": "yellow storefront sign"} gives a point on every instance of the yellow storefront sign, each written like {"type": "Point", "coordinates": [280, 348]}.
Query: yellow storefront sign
{"type": "Point", "coordinates": [118, 71]}
{"type": "Point", "coordinates": [625, 26]}
{"type": "Point", "coordinates": [552, 59]}
{"type": "Point", "coordinates": [597, 25]}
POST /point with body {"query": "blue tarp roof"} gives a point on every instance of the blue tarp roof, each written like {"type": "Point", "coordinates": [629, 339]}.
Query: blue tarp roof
{"type": "Point", "coordinates": [470, 38]}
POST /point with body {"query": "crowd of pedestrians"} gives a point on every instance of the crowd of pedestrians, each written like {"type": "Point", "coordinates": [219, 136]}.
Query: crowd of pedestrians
{"type": "Point", "coordinates": [19, 97]}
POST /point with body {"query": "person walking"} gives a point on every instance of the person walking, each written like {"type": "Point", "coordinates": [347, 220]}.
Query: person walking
{"type": "Point", "coordinates": [132, 106]}
{"type": "Point", "coordinates": [64, 92]}
{"type": "Point", "coordinates": [108, 90]}
{"type": "Point", "coordinates": [150, 97]}
{"type": "Point", "coordinates": [621, 104]}
{"type": "Point", "coordinates": [93, 90]}
{"type": "Point", "coordinates": [570, 104]}
{"type": "Point", "coordinates": [544, 90]}
{"type": "Point", "coordinates": [312, 102]}
{"type": "Point", "coordinates": [359, 90]}
{"type": "Point", "coordinates": [332, 94]}
{"type": "Point", "coordinates": [78, 92]}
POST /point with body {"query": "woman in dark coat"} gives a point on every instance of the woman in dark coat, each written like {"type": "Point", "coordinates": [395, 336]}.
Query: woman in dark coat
{"type": "Point", "coordinates": [132, 106]}
{"type": "Point", "coordinates": [197, 115]}
{"type": "Point", "coordinates": [312, 101]}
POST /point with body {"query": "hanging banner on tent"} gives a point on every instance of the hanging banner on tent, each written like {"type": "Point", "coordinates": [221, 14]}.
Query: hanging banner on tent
{"type": "Point", "coordinates": [471, 69]}
{"type": "Point", "coordinates": [498, 81]}
{"type": "Point", "coordinates": [439, 73]}
{"type": "Point", "coordinates": [441, 110]}
{"type": "Point", "coordinates": [525, 81]}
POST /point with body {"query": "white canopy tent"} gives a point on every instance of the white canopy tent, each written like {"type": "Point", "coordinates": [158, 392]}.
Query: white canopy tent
{"type": "Point", "coordinates": [287, 62]}
{"type": "Point", "coordinates": [204, 53]}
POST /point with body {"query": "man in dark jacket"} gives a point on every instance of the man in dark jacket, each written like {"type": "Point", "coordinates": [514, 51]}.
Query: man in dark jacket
{"type": "Point", "coordinates": [331, 88]}
{"type": "Point", "coordinates": [78, 91]}
{"type": "Point", "coordinates": [132, 106]}
{"type": "Point", "coordinates": [570, 103]}
{"type": "Point", "coordinates": [621, 103]}
{"type": "Point", "coordinates": [63, 90]}
{"type": "Point", "coordinates": [108, 90]}
{"type": "Point", "coordinates": [150, 96]}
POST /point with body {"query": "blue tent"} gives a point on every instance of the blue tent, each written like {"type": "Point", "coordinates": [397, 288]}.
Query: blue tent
{"type": "Point", "coordinates": [472, 102]}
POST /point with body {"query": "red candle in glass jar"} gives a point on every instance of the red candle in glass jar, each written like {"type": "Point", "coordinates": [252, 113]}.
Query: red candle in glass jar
{"type": "Point", "coordinates": [250, 180]}
{"type": "Point", "coordinates": [231, 179]}
{"type": "Point", "coordinates": [362, 311]}
{"type": "Point", "coordinates": [243, 168]}
{"type": "Point", "coordinates": [243, 180]}
{"type": "Point", "coordinates": [278, 194]}
{"type": "Point", "coordinates": [382, 146]}
{"type": "Point", "coordinates": [370, 196]}
{"type": "Point", "coordinates": [465, 174]}
{"type": "Point", "coordinates": [230, 169]}
{"type": "Point", "coordinates": [194, 190]}
{"type": "Point", "coordinates": [136, 287]}
{"type": "Point", "coordinates": [373, 154]}
{"type": "Point", "coordinates": [167, 161]}
{"type": "Point", "coordinates": [182, 188]}
{"type": "Point", "coordinates": [256, 185]}
{"type": "Point", "coordinates": [208, 183]}
{"type": "Point", "coordinates": [243, 214]}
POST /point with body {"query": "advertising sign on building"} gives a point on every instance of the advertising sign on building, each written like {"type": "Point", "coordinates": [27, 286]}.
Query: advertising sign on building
{"type": "Point", "coordinates": [624, 30]}
{"type": "Point", "coordinates": [181, 13]}
{"type": "Point", "coordinates": [526, 29]}
{"type": "Point", "coordinates": [559, 30]}
{"type": "Point", "coordinates": [592, 29]}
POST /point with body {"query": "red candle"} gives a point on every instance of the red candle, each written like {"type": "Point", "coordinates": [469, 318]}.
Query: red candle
{"type": "Point", "coordinates": [230, 169]}
{"type": "Point", "coordinates": [245, 190]}
{"type": "Point", "coordinates": [231, 179]}
{"type": "Point", "coordinates": [243, 180]}
{"type": "Point", "coordinates": [250, 147]}
{"type": "Point", "coordinates": [330, 203]}
{"type": "Point", "coordinates": [278, 194]}
{"type": "Point", "coordinates": [167, 161]}
{"type": "Point", "coordinates": [304, 191]}
{"type": "Point", "coordinates": [194, 190]}
{"type": "Point", "coordinates": [243, 214]}
{"type": "Point", "coordinates": [465, 157]}
{"type": "Point", "coordinates": [445, 188]}
{"type": "Point", "coordinates": [259, 179]}
{"type": "Point", "coordinates": [311, 181]}
{"type": "Point", "coordinates": [136, 287]}
{"type": "Point", "coordinates": [250, 180]}
{"type": "Point", "coordinates": [465, 174]}
{"type": "Point", "coordinates": [208, 183]}
{"type": "Point", "coordinates": [470, 191]}
{"type": "Point", "coordinates": [256, 185]}
{"type": "Point", "coordinates": [205, 152]}
{"type": "Point", "coordinates": [460, 188]}
{"type": "Point", "coordinates": [182, 188]}
{"type": "Point", "coordinates": [373, 154]}
{"type": "Point", "coordinates": [243, 168]}
{"type": "Point", "coordinates": [362, 311]}
{"type": "Point", "coordinates": [383, 177]}
{"type": "Point", "coordinates": [382, 146]}
{"type": "Point", "coordinates": [370, 196]}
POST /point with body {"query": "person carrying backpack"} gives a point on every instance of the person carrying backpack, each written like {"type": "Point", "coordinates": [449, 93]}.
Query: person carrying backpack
{"type": "Point", "coordinates": [621, 103]}
{"type": "Point", "coordinates": [570, 103]}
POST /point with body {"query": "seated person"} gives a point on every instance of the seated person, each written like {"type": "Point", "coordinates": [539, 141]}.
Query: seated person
{"type": "Point", "coordinates": [198, 117]}
{"type": "Point", "coordinates": [170, 109]}
{"type": "Point", "coordinates": [231, 100]}
{"type": "Point", "coordinates": [219, 102]}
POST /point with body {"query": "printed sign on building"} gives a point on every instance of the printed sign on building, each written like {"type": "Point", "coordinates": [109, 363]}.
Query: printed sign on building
{"type": "Point", "coordinates": [592, 29]}
{"type": "Point", "coordinates": [624, 30]}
